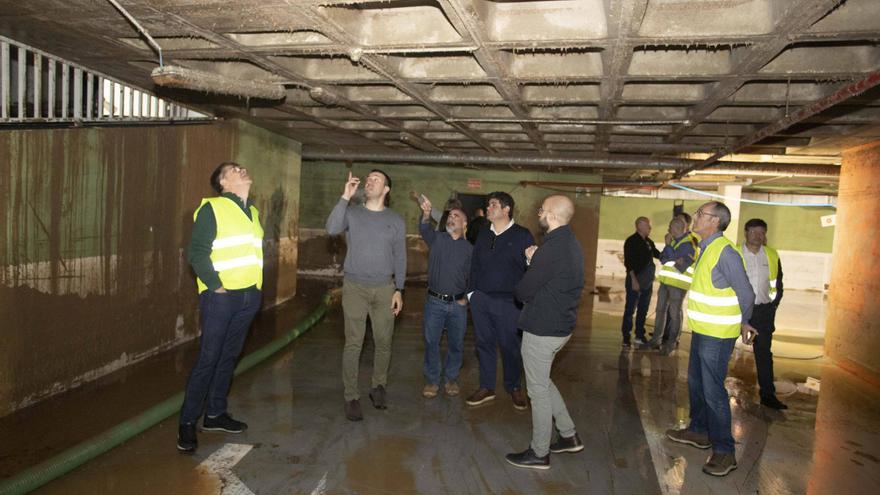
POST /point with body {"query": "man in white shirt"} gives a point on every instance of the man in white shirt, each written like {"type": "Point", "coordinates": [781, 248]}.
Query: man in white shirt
{"type": "Point", "coordinates": [765, 274]}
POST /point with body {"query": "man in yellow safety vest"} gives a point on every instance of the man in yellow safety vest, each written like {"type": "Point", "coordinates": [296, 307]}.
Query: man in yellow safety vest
{"type": "Point", "coordinates": [226, 253]}
{"type": "Point", "coordinates": [765, 274]}
{"type": "Point", "coordinates": [720, 304]}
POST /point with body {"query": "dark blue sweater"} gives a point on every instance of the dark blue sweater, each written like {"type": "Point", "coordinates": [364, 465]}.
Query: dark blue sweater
{"type": "Point", "coordinates": [499, 262]}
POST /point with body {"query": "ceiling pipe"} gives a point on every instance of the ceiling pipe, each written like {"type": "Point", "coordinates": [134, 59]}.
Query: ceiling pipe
{"type": "Point", "coordinates": [616, 162]}
{"type": "Point", "coordinates": [806, 112]}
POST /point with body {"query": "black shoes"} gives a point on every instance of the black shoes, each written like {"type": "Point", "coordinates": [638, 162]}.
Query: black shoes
{"type": "Point", "coordinates": [224, 422]}
{"type": "Point", "coordinates": [571, 444]}
{"type": "Point", "coordinates": [773, 403]}
{"type": "Point", "coordinates": [353, 410]}
{"type": "Point", "coordinates": [186, 438]}
{"type": "Point", "coordinates": [377, 395]}
{"type": "Point", "coordinates": [528, 459]}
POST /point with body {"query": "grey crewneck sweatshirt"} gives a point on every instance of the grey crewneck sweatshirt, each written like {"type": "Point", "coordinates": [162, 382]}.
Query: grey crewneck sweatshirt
{"type": "Point", "coordinates": [376, 243]}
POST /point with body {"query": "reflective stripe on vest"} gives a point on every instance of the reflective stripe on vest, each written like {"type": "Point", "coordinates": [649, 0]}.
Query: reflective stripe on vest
{"type": "Point", "coordinates": [712, 311]}
{"type": "Point", "coordinates": [773, 263]}
{"type": "Point", "coordinates": [670, 275]}
{"type": "Point", "coordinates": [237, 250]}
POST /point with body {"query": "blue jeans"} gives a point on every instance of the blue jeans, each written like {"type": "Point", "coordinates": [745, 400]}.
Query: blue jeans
{"type": "Point", "coordinates": [710, 404]}
{"type": "Point", "coordinates": [637, 301]}
{"type": "Point", "coordinates": [225, 320]}
{"type": "Point", "coordinates": [437, 316]}
{"type": "Point", "coordinates": [495, 326]}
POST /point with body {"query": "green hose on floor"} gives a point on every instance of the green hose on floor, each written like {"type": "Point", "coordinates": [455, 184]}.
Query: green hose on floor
{"type": "Point", "coordinates": [70, 459]}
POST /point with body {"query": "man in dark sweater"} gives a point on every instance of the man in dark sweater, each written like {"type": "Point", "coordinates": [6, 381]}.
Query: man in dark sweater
{"type": "Point", "coordinates": [375, 271]}
{"type": "Point", "coordinates": [449, 264]}
{"type": "Point", "coordinates": [638, 258]}
{"type": "Point", "coordinates": [550, 292]}
{"type": "Point", "coordinates": [497, 265]}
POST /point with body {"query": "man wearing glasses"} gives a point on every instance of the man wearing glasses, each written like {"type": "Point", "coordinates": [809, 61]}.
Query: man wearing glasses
{"type": "Point", "coordinates": [226, 253]}
{"type": "Point", "coordinates": [497, 265]}
{"type": "Point", "coordinates": [720, 302]}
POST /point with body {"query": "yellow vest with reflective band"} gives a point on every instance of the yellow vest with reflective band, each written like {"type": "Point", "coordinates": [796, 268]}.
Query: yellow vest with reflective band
{"type": "Point", "coordinates": [712, 311]}
{"type": "Point", "coordinates": [670, 275]}
{"type": "Point", "coordinates": [773, 264]}
{"type": "Point", "coordinates": [237, 250]}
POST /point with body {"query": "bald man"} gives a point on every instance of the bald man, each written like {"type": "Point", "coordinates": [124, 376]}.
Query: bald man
{"type": "Point", "coordinates": [638, 258]}
{"type": "Point", "coordinates": [550, 292]}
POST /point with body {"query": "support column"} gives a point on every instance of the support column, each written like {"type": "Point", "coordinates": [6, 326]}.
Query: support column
{"type": "Point", "coordinates": [852, 337]}
{"type": "Point", "coordinates": [732, 195]}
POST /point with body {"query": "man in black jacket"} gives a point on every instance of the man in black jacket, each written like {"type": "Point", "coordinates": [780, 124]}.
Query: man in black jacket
{"type": "Point", "coordinates": [638, 258]}
{"type": "Point", "coordinates": [550, 292]}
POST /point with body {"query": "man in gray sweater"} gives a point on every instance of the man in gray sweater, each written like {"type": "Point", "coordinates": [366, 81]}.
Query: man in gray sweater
{"type": "Point", "coordinates": [375, 271]}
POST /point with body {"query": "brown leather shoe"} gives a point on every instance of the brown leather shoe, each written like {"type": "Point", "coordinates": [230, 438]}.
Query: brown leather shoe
{"type": "Point", "coordinates": [451, 389]}
{"type": "Point", "coordinates": [520, 401]}
{"type": "Point", "coordinates": [430, 391]}
{"type": "Point", "coordinates": [481, 396]}
{"type": "Point", "coordinates": [720, 464]}
{"type": "Point", "coordinates": [353, 410]}
{"type": "Point", "coordinates": [685, 436]}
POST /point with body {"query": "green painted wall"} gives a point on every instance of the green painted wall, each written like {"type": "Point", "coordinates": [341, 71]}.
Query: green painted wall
{"type": "Point", "coordinates": [789, 228]}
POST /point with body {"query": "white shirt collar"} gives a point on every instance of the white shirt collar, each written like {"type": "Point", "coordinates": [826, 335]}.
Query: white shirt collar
{"type": "Point", "coordinates": [509, 225]}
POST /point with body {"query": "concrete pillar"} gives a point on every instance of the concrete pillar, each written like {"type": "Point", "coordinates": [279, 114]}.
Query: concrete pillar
{"type": "Point", "coordinates": [732, 195]}
{"type": "Point", "coordinates": [852, 336]}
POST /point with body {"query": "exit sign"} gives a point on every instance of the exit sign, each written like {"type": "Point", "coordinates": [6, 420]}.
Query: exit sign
{"type": "Point", "coordinates": [474, 183]}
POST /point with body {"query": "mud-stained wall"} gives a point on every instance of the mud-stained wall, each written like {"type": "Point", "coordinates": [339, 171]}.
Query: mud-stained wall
{"type": "Point", "coordinates": [853, 324]}
{"type": "Point", "coordinates": [322, 185]}
{"type": "Point", "coordinates": [93, 274]}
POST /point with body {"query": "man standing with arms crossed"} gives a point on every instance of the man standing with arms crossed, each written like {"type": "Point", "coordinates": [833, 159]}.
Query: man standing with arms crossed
{"type": "Point", "coordinates": [375, 271]}
{"type": "Point", "coordinates": [765, 274]}
{"type": "Point", "coordinates": [497, 265]}
{"type": "Point", "coordinates": [449, 264]}
{"type": "Point", "coordinates": [720, 304]}
{"type": "Point", "coordinates": [550, 292]}
{"type": "Point", "coordinates": [226, 253]}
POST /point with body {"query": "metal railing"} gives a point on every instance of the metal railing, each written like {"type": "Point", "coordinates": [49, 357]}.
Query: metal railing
{"type": "Point", "coordinates": [36, 88]}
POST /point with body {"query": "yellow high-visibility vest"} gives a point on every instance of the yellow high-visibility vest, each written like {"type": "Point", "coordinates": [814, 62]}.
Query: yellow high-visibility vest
{"type": "Point", "coordinates": [670, 275]}
{"type": "Point", "coordinates": [712, 311]}
{"type": "Point", "coordinates": [772, 263]}
{"type": "Point", "coordinates": [237, 250]}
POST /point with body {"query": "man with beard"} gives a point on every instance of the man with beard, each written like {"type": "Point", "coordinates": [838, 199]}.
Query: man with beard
{"type": "Point", "coordinates": [449, 263]}
{"type": "Point", "coordinates": [550, 292]}
{"type": "Point", "coordinates": [375, 271]}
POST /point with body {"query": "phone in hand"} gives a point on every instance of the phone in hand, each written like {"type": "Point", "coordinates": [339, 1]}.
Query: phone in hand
{"type": "Point", "coordinates": [422, 199]}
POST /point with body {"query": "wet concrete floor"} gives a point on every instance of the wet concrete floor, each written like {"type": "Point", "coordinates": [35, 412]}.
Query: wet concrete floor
{"type": "Point", "coordinates": [621, 401]}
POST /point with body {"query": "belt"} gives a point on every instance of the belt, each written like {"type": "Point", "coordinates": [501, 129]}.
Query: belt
{"type": "Point", "coordinates": [446, 297]}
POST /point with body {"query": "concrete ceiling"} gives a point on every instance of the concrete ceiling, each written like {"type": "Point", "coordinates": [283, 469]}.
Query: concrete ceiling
{"type": "Point", "coordinates": [651, 81]}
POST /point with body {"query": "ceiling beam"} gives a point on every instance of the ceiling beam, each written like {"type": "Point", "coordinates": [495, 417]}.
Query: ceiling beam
{"type": "Point", "coordinates": [848, 91]}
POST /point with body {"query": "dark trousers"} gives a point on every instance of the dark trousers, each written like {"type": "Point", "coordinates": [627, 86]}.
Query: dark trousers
{"type": "Point", "coordinates": [495, 326]}
{"type": "Point", "coordinates": [225, 320]}
{"type": "Point", "coordinates": [637, 301]}
{"type": "Point", "coordinates": [710, 404]}
{"type": "Point", "coordinates": [764, 320]}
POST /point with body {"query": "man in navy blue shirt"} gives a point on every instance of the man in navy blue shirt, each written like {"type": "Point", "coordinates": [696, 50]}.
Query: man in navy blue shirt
{"type": "Point", "coordinates": [449, 265]}
{"type": "Point", "coordinates": [497, 265]}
